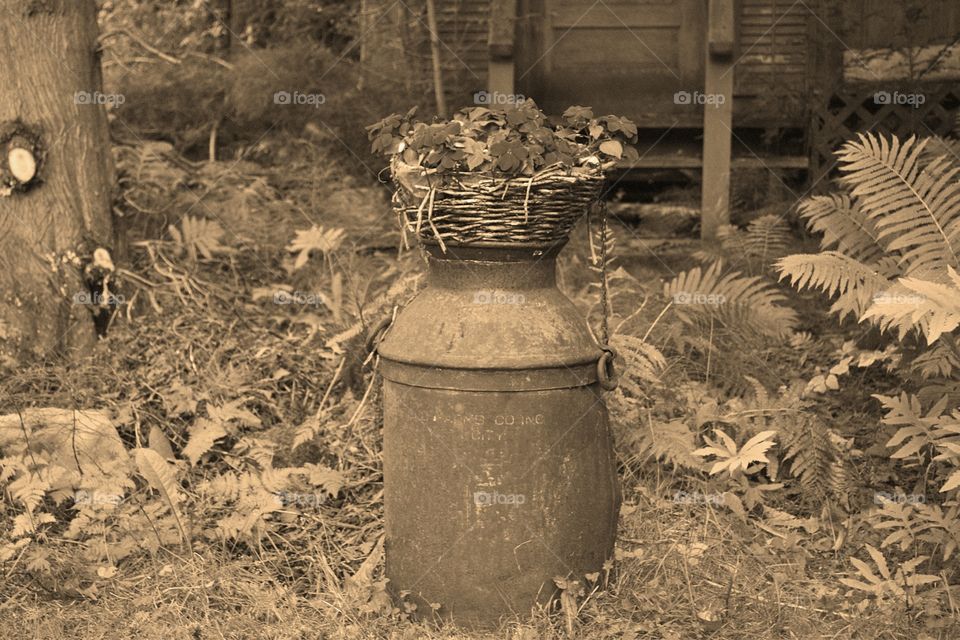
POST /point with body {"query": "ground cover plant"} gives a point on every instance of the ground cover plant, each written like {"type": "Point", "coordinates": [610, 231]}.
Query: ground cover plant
{"type": "Point", "coordinates": [787, 424]}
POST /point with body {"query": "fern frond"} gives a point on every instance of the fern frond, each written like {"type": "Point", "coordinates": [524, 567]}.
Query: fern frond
{"type": "Point", "coordinates": [259, 451]}
{"type": "Point", "coordinates": [159, 474]}
{"type": "Point", "coordinates": [939, 361]}
{"type": "Point", "coordinates": [741, 304]}
{"type": "Point", "coordinates": [671, 441]}
{"type": "Point", "coordinates": [642, 364]}
{"type": "Point", "coordinates": [202, 436]}
{"type": "Point", "coordinates": [228, 487]}
{"type": "Point", "coordinates": [940, 146]}
{"type": "Point", "coordinates": [815, 456]}
{"type": "Point", "coordinates": [27, 523]}
{"type": "Point", "coordinates": [844, 226]}
{"type": "Point", "coordinates": [853, 282]}
{"type": "Point", "coordinates": [29, 490]}
{"type": "Point", "coordinates": [627, 296]}
{"type": "Point", "coordinates": [765, 239]}
{"type": "Point", "coordinates": [249, 515]}
{"type": "Point", "coordinates": [933, 307]}
{"type": "Point", "coordinates": [916, 208]}
{"type": "Point", "coordinates": [330, 480]}
{"type": "Point", "coordinates": [940, 527]}
{"type": "Point", "coordinates": [398, 293]}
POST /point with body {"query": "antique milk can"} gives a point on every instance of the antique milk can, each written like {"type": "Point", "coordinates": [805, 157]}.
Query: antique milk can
{"type": "Point", "coordinates": [499, 472]}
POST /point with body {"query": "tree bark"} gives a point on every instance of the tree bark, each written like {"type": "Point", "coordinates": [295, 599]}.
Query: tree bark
{"type": "Point", "coordinates": [51, 93]}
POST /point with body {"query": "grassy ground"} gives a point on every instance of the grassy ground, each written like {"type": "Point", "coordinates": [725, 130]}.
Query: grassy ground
{"type": "Point", "coordinates": [682, 570]}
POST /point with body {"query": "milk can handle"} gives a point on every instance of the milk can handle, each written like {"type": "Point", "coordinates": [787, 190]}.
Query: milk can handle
{"type": "Point", "coordinates": [606, 372]}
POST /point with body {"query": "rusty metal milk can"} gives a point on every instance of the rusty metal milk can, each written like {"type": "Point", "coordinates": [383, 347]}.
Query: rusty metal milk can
{"type": "Point", "coordinates": [499, 472]}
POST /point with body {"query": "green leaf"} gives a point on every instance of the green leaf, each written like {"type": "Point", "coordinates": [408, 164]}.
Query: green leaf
{"type": "Point", "coordinates": [159, 474]}
{"type": "Point", "coordinates": [198, 235]}
{"type": "Point", "coordinates": [578, 114]}
{"type": "Point", "coordinates": [158, 441]}
{"type": "Point", "coordinates": [202, 436]}
{"type": "Point", "coordinates": [612, 148]}
{"type": "Point", "coordinates": [316, 238]}
{"type": "Point", "coordinates": [330, 480]}
{"type": "Point", "coordinates": [952, 482]}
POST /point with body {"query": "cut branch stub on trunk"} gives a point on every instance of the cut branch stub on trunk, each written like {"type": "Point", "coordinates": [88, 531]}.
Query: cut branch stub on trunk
{"type": "Point", "coordinates": [56, 171]}
{"type": "Point", "coordinates": [22, 156]}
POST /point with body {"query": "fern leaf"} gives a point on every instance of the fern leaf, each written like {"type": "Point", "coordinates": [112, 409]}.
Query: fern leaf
{"type": "Point", "coordinates": [307, 430]}
{"type": "Point", "coordinates": [844, 226]}
{"type": "Point", "coordinates": [671, 441]}
{"type": "Point", "coordinates": [198, 235]}
{"type": "Point", "coordinates": [939, 146]}
{"type": "Point", "coordinates": [202, 436]}
{"type": "Point", "coordinates": [316, 238]}
{"type": "Point", "coordinates": [227, 487]}
{"type": "Point", "coordinates": [767, 238]}
{"type": "Point", "coordinates": [261, 451]}
{"type": "Point", "coordinates": [941, 360]}
{"type": "Point", "coordinates": [398, 293]}
{"type": "Point", "coordinates": [933, 307]}
{"type": "Point", "coordinates": [742, 304]}
{"type": "Point", "coordinates": [916, 208]}
{"type": "Point", "coordinates": [29, 490]}
{"type": "Point", "coordinates": [249, 515]}
{"type": "Point", "coordinates": [815, 457]}
{"type": "Point", "coordinates": [736, 461]}
{"type": "Point", "coordinates": [330, 480]}
{"type": "Point", "coordinates": [853, 282]}
{"type": "Point", "coordinates": [160, 476]}
{"type": "Point", "coordinates": [642, 366]}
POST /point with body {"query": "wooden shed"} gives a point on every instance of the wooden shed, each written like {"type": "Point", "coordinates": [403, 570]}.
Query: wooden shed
{"type": "Point", "coordinates": [645, 58]}
{"type": "Point", "coordinates": [794, 76]}
{"type": "Point", "coordinates": [633, 56]}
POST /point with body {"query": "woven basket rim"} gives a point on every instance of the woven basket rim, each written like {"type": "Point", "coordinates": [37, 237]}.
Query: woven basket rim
{"type": "Point", "coordinates": [486, 181]}
{"type": "Point", "coordinates": [539, 208]}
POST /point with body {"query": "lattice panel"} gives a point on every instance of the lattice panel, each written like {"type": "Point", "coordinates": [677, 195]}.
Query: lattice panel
{"type": "Point", "coordinates": [849, 112]}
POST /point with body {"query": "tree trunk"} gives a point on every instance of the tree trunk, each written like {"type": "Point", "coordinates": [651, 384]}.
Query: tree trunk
{"type": "Point", "coordinates": [56, 175]}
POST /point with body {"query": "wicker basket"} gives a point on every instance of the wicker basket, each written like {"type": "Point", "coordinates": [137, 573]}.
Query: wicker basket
{"type": "Point", "coordinates": [462, 208]}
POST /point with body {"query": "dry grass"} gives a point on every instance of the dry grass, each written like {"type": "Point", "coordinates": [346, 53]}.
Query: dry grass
{"type": "Point", "coordinates": [683, 571]}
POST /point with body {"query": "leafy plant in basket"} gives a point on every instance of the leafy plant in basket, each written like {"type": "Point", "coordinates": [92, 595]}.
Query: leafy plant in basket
{"type": "Point", "coordinates": [504, 174]}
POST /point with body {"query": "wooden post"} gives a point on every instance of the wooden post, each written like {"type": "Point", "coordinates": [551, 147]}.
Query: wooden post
{"type": "Point", "coordinates": [500, 78]}
{"type": "Point", "coordinates": [438, 90]}
{"type": "Point", "coordinates": [717, 118]}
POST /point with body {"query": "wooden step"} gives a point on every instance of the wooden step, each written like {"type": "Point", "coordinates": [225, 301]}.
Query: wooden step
{"type": "Point", "coordinates": [685, 161]}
